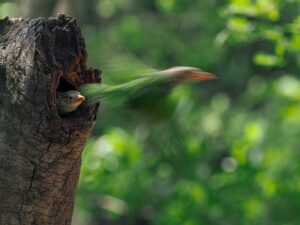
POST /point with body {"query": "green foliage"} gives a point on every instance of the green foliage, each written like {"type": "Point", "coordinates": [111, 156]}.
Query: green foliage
{"type": "Point", "coordinates": [8, 8]}
{"type": "Point", "coordinates": [272, 22]}
{"type": "Point", "coordinates": [231, 155]}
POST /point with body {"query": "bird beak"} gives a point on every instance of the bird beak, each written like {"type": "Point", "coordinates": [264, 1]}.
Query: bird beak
{"type": "Point", "coordinates": [201, 75]}
{"type": "Point", "coordinates": [79, 98]}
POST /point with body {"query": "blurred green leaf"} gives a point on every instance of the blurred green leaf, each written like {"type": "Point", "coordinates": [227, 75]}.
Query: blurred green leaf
{"type": "Point", "coordinates": [235, 160]}
{"type": "Point", "coordinates": [265, 59]}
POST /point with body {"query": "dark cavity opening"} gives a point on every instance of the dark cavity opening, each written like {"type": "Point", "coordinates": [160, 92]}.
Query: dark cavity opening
{"type": "Point", "coordinates": [64, 85]}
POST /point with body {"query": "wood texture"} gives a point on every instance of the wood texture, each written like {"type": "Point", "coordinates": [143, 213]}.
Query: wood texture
{"type": "Point", "coordinates": [40, 152]}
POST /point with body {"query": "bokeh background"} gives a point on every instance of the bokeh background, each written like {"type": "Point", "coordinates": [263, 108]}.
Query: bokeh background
{"type": "Point", "coordinates": [233, 156]}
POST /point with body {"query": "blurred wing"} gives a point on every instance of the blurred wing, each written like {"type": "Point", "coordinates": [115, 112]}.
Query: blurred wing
{"type": "Point", "coordinates": [175, 144]}
{"type": "Point", "coordinates": [168, 136]}
{"type": "Point", "coordinates": [115, 94]}
{"type": "Point", "coordinates": [98, 92]}
{"type": "Point", "coordinates": [120, 66]}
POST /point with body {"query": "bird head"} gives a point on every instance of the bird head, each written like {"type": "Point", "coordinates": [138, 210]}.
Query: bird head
{"type": "Point", "coordinates": [184, 74]}
{"type": "Point", "coordinates": [68, 101]}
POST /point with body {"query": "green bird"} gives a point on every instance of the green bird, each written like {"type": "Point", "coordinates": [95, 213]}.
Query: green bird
{"type": "Point", "coordinates": [148, 93]}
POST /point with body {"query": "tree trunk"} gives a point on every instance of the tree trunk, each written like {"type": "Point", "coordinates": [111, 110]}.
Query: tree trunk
{"type": "Point", "coordinates": [40, 151]}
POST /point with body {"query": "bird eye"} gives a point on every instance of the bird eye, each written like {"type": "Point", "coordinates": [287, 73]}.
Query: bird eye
{"type": "Point", "coordinates": [70, 97]}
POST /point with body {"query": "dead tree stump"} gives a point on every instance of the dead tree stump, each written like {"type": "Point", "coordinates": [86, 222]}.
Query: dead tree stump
{"type": "Point", "coordinates": [40, 151]}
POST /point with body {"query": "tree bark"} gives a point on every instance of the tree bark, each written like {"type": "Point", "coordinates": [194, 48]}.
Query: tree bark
{"type": "Point", "coordinates": [40, 151]}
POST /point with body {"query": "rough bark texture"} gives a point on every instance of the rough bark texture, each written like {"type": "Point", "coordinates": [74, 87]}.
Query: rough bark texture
{"type": "Point", "coordinates": [40, 151]}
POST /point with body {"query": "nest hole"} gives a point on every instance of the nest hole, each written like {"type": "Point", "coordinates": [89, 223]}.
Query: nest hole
{"type": "Point", "coordinates": [64, 85]}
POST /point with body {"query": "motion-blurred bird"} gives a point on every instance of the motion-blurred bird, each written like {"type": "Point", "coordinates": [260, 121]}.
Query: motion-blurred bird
{"type": "Point", "coordinates": [148, 93]}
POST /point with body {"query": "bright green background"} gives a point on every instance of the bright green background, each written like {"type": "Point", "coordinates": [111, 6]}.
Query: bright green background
{"type": "Point", "coordinates": [234, 159]}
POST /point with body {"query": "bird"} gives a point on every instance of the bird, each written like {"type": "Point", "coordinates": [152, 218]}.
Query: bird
{"type": "Point", "coordinates": [148, 93]}
{"type": "Point", "coordinates": [68, 101]}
